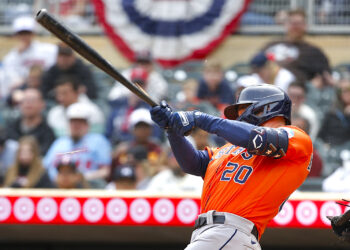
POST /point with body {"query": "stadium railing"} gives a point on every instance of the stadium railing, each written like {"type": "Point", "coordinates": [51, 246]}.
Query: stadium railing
{"type": "Point", "coordinates": [262, 16]}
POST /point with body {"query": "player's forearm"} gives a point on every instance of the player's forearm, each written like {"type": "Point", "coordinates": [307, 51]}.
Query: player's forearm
{"type": "Point", "coordinates": [237, 133]}
{"type": "Point", "coordinates": [191, 161]}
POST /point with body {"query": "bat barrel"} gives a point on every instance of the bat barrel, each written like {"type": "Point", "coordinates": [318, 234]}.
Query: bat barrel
{"type": "Point", "coordinates": [82, 48]}
{"type": "Point", "coordinates": [40, 14]}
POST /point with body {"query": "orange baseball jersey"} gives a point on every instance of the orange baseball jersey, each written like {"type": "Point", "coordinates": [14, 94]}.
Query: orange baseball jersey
{"type": "Point", "coordinates": [254, 186]}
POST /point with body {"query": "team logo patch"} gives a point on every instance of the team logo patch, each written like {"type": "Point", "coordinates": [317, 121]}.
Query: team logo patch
{"type": "Point", "coordinates": [183, 118]}
{"type": "Point", "coordinates": [257, 141]}
{"type": "Point", "coordinates": [289, 131]}
{"type": "Point", "coordinates": [260, 131]}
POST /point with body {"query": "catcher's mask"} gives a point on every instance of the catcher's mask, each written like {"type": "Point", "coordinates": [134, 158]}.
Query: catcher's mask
{"type": "Point", "coordinates": [265, 102]}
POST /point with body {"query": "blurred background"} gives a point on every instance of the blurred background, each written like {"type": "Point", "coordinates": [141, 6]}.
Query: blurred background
{"type": "Point", "coordinates": [66, 126]}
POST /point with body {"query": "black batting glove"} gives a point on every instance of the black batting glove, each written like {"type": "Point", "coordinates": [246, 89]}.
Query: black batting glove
{"type": "Point", "coordinates": [161, 114]}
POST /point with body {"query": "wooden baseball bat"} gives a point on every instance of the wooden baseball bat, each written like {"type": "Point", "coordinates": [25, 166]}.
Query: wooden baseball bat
{"type": "Point", "coordinates": [83, 49]}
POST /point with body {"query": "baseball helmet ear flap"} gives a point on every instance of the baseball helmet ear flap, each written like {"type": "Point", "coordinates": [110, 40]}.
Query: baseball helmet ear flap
{"type": "Point", "coordinates": [264, 102]}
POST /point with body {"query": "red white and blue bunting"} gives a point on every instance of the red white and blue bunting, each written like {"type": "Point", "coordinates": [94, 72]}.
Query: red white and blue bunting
{"type": "Point", "coordinates": [174, 31]}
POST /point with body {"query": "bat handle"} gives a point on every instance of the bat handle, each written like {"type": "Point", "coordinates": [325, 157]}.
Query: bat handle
{"type": "Point", "coordinates": [146, 96]}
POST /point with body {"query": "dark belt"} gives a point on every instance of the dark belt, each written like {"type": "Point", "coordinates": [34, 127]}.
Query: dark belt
{"type": "Point", "coordinates": [220, 219]}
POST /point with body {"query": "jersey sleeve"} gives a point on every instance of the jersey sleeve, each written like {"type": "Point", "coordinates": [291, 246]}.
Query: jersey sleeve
{"type": "Point", "coordinates": [191, 160]}
{"type": "Point", "coordinates": [299, 143]}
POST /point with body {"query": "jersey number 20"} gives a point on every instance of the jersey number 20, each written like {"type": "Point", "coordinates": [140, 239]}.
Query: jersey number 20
{"type": "Point", "coordinates": [241, 175]}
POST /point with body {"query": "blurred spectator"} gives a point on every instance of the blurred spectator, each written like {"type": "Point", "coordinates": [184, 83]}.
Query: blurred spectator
{"type": "Point", "coordinates": [123, 178]}
{"type": "Point", "coordinates": [335, 129]}
{"type": "Point", "coordinates": [91, 152]}
{"type": "Point", "coordinates": [281, 17]}
{"type": "Point", "coordinates": [303, 59]}
{"type": "Point", "coordinates": [268, 71]}
{"type": "Point", "coordinates": [187, 99]}
{"type": "Point", "coordinates": [68, 176]}
{"type": "Point", "coordinates": [173, 179]}
{"type": "Point", "coordinates": [28, 171]}
{"type": "Point", "coordinates": [27, 53]}
{"type": "Point", "coordinates": [31, 120]}
{"type": "Point", "coordinates": [317, 163]}
{"type": "Point", "coordinates": [188, 93]}
{"type": "Point", "coordinates": [8, 150]}
{"type": "Point", "coordinates": [339, 181]}
{"type": "Point", "coordinates": [144, 73]}
{"type": "Point", "coordinates": [141, 126]}
{"type": "Point", "coordinates": [34, 78]}
{"type": "Point", "coordinates": [321, 94]}
{"type": "Point", "coordinates": [67, 92]}
{"type": "Point", "coordinates": [68, 63]}
{"type": "Point", "coordinates": [243, 82]}
{"type": "Point", "coordinates": [32, 81]}
{"type": "Point", "coordinates": [297, 92]}
{"type": "Point", "coordinates": [213, 87]}
{"type": "Point", "coordinates": [118, 127]}
{"type": "Point", "coordinates": [201, 138]}
{"type": "Point", "coordinates": [140, 160]}
{"type": "Point", "coordinates": [73, 12]}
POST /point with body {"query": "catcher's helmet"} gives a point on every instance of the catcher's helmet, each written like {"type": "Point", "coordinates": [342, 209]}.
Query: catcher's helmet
{"type": "Point", "coordinates": [266, 101]}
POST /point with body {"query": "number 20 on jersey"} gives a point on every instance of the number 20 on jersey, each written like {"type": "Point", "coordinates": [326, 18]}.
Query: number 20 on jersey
{"type": "Point", "coordinates": [236, 173]}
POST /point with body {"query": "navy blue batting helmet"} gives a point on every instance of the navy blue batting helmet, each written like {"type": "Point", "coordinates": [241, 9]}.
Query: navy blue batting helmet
{"type": "Point", "coordinates": [264, 102]}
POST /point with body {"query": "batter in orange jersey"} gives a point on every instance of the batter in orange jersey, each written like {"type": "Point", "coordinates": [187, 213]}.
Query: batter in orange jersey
{"type": "Point", "coordinates": [253, 186]}
{"type": "Point", "coordinates": [247, 180]}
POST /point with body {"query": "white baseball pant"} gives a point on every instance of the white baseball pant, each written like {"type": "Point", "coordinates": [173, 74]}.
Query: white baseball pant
{"type": "Point", "coordinates": [233, 233]}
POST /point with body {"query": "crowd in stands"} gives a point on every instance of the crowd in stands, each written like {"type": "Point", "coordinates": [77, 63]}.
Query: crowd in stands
{"type": "Point", "coordinates": [55, 133]}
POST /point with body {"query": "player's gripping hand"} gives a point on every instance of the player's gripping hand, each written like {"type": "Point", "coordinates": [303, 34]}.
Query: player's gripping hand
{"type": "Point", "coordinates": [161, 114]}
{"type": "Point", "coordinates": [183, 122]}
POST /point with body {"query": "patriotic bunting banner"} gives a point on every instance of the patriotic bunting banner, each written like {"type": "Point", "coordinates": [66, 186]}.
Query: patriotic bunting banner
{"type": "Point", "coordinates": [174, 31]}
{"type": "Point", "coordinates": [145, 211]}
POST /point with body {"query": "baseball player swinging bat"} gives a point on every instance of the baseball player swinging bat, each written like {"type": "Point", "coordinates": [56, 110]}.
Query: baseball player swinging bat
{"type": "Point", "coordinates": [82, 48]}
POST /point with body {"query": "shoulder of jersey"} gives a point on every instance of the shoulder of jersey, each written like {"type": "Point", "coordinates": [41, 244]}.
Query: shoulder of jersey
{"type": "Point", "coordinates": [293, 131]}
